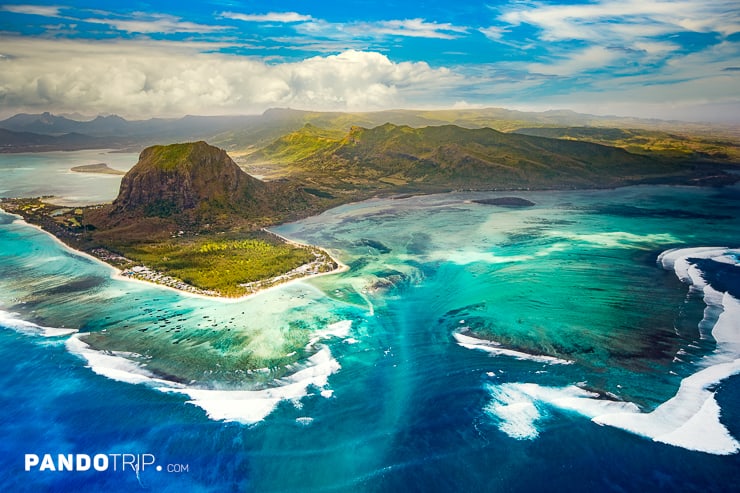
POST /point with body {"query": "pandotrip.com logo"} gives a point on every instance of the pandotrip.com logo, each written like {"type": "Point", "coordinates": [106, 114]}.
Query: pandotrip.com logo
{"type": "Point", "coordinates": [136, 463]}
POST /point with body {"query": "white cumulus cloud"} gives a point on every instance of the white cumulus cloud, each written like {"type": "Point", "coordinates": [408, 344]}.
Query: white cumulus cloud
{"type": "Point", "coordinates": [144, 79]}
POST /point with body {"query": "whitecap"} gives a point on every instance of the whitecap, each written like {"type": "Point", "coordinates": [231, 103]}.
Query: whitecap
{"type": "Point", "coordinates": [495, 348]}
{"type": "Point", "coordinates": [518, 407]}
{"type": "Point", "coordinates": [515, 412]}
{"type": "Point", "coordinates": [112, 365]}
{"type": "Point", "coordinates": [242, 406]}
{"type": "Point", "coordinates": [691, 418]}
{"type": "Point", "coordinates": [11, 321]}
{"type": "Point", "coordinates": [727, 328]}
{"type": "Point", "coordinates": [338, 329]}
{"type": "Point", "coordinates": [252, 406]}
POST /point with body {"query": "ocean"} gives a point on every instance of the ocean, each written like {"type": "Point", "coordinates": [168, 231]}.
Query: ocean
{"type": "Point", "coordinates": [590, 342]}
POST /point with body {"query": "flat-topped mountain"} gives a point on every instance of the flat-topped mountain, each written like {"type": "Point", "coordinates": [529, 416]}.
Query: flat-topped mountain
{"type": "Point", "coordinates": [187, 216]}
{"type": "Point", "coordinates": [195, 187]}
{"type": "Point", "coordinates": [189, 211]}
{"type": "Point", "coordinates": [179, 178]}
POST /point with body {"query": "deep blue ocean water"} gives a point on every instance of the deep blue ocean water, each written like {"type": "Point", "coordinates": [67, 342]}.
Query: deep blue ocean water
{"type": "Point", "coordinates": [469, 347]}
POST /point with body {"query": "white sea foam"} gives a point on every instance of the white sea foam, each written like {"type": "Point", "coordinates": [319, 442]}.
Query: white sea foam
{"type": "Point", "coordinates": [517, 406]}
{"type": "Point", "coordinates": [243, 406]}
{"type": "Point", "coordinates": [618, 239]}
{"type": "Point", "coordinates": [495, 348]}
{"type": "Point", "coordinates": [676, 259]}
{"type": "Point", "coordinates": [252, 406]}
{"type": "Point", "coordinates": [727, 329]}
{"type": "Point", "coordinates": [338, 329]}
{"type": "Point", "coordinates": [11, 321]}
{"type": "Point", "coordinates": [515, 410]}
{"type": "Point", "coordinates": [112, 365]}
{"type": "Point", "coordinates": [722, 313]}
{"type": "Point", "coordinates": [690, 419]}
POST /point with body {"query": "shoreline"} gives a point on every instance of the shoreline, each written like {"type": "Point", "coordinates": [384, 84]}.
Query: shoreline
{"type": "Point", "coordinates": [341, 267]}
{"type": "Point", "coordinates": [119, 274]}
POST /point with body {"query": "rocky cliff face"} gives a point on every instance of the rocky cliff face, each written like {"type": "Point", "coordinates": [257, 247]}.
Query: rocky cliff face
{"type": "Point", "coordinates": [182, 178]}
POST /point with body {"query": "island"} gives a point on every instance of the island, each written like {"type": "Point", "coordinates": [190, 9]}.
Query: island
{"type": "Point", "coordinates": [100, 168]}
{"type": "Point", "coordinates": [506, 202]}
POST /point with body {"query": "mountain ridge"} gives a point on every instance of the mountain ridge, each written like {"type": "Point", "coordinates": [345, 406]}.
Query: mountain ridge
{"type": "Point", "coordinates": [448, 157]}
{"type": "Point", "coordinates": [247, 132]}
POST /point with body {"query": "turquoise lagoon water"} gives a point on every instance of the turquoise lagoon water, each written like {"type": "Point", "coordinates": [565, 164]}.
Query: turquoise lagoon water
{"type": "Point", "coordinates": [32, 174]}
{"type": "Point", "coordinates": [589, 342]}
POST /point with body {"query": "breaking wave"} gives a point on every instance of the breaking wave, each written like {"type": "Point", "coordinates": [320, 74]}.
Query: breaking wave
{"type": "Point", "coordinates": [690, 419]}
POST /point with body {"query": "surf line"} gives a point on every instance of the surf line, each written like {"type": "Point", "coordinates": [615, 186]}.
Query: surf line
{"type": "Point", "coordinates": [690, 419]}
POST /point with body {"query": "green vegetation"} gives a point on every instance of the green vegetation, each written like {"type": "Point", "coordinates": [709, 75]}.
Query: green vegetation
{"type": "Point", "coordinates": [404, 159]}
{"type": "Point", "coordinates": [171, 156]}
{"type": "Point", "coordinates": [301, 144]}
{"type": "Point", "coordinates": [221, 265]}
{"type": "Point", "coordinates": [189, 212]}
{"type": "Point", "coordinates": [648, 142]}
{"type": "Point", "coordinates": [278, 122]}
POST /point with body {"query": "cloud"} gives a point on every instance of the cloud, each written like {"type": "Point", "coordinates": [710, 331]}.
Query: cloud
{"type": "Point", "coordinates": [594, 57]}
{"type": "Point", "coordinates": [693, 87]}
{"type": "Point", "coordinates": [135, 22]}
{"type": "Point", "coordinates": [647, 32]}
{"type": "Point", "coordinates": [493, 33]}
{"type": "Point", "coordinates": [285, 17]}
{"type": "Point", "coordinates": [145, 79]}
{"type": "Point", "coordinates": [353, 32]}
{"type": "Point", "coordinates": [154, 23]}
{"type": "Point", "coordinates": [415, 28]}
{"type": "Point", "coordinates": [32, 10]}
{"type": "Point", "coordinates": [605, 19]}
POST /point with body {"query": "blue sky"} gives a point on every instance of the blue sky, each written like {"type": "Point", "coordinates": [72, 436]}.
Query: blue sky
{"type": "Point", "coordinates": [649, 58]}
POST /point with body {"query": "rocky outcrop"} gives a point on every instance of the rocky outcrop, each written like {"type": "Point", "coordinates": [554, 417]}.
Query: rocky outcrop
{"type": "Point", "coordinates": [180, 178]}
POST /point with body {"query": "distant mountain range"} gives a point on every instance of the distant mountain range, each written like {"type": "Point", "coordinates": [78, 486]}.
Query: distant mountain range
{"type": "Point", "coordinates": [46, 132]}
{"type": "Point", "coordinates": [11, 141]}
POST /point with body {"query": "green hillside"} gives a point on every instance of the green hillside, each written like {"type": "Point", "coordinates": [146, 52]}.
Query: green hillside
{"type": "Point", "coordinates": [192, 214]}
{"type": "Point", "coordinates": [248, 136]}
{"type": "Point", "coordinates": [402, 158]}
{"type": "Point", "coordinates": [649, 142]}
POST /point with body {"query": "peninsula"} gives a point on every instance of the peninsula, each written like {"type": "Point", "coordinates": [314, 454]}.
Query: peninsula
{"type": "Point", "coordinates": [189, 217]}
{"type": "Point", "coordinates": [100, 168]}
